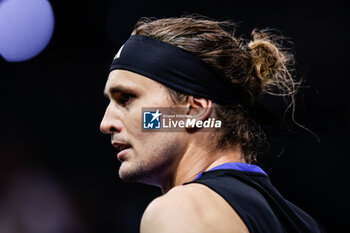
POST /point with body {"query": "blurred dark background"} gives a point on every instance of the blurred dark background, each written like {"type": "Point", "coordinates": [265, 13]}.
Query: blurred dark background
{"type": "Point", "coordinates": [58, 173]}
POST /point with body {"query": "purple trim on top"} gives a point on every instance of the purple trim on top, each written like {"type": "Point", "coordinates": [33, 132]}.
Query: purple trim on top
{"type": "Point", "coordinates": [237, 166]}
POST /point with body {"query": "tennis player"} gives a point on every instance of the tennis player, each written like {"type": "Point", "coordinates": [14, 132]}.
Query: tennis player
{"type": "Point", "coordinates": [209, 181]}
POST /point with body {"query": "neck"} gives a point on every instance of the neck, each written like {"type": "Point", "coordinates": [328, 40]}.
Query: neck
{"type": "Point", "coordinates": [198, 159]}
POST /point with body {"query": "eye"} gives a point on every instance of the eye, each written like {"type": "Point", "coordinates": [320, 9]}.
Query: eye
{"type": "Point", "coordinates": [125, 98]}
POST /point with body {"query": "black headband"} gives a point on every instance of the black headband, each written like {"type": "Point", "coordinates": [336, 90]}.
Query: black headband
{"type": "Point", "coordinates": [183, 71]}
{"type": "Point", "coordinates": [173, 67]}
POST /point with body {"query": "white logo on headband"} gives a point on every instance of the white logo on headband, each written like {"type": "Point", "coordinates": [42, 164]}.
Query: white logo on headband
{"type": "Point", "coordinates": [118, 54]}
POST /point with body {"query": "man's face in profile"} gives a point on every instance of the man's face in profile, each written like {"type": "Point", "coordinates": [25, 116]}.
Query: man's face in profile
{"type": "Point", "coordinates": [146, 157]}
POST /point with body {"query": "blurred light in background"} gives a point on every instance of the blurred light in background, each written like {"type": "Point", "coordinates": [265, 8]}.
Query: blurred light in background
{"type": "Point", "coordinates": [26, 27]}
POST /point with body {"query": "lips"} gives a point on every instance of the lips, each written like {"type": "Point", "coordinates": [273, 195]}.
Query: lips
{"type": "Point", "coordinates": [121, 147]}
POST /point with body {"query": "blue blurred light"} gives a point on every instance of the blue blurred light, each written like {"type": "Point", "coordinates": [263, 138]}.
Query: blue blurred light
{"type": "Point", "coordinates": [26, 27]}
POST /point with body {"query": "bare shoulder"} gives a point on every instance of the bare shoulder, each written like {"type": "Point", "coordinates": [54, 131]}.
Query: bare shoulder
{"type": "Point", "coordinates": [191, 208]}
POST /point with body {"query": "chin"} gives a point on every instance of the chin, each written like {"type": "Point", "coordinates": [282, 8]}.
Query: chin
{"type": "Point", "coordinates": [130, 172]}
{"type": "Point", "coordinates": [138, 173]}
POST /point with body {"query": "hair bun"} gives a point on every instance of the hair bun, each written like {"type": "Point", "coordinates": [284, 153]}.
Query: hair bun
{"type": "Point", "coordinates": [270, 63]}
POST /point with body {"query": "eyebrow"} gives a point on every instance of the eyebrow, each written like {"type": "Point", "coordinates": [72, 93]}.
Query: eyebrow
{"type": "Point", "coordinates": [117, 89]}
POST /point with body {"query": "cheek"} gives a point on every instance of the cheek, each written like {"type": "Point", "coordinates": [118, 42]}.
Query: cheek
{"type": "Point", "coordinates": [145, 143]}
{"type": "Point", "coordinates": [132, 121]}
{"type": "Point", "coordinates": [159, 148]}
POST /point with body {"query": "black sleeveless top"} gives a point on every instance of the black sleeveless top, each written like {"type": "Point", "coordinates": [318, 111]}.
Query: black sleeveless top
{"type": "Point", "coordinates": [261, 207]}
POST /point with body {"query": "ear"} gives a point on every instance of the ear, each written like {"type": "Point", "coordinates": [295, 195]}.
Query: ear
{"type": "Point", "coordinates": [199, 108]}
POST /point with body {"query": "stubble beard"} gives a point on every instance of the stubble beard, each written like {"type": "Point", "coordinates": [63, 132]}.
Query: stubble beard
{"type": "Point", "coordinates": [132, 174]}
{"type": "Point", "coordinates": [156, 170]}
{"type": "Point", "coordinates": [151, 173]}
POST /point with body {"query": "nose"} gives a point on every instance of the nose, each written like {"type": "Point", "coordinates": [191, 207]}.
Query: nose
{"type": "Point", "coordinates": [111, 122]}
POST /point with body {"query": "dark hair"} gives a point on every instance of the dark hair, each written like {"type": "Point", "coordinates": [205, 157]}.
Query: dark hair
{"type": "Point", "coordinates": [256, 67]}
